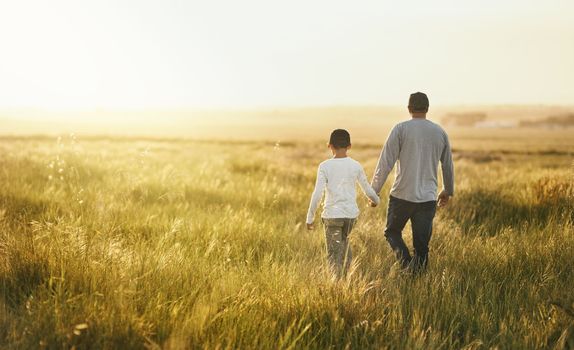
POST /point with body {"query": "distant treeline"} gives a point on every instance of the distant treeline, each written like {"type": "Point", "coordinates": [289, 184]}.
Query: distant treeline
{"type": "Point", "coordinates": [564, 120]}
{"type": "Point", "coordinates": [464, 119]}
{"type": "Point", "coordinates": [479, 119]}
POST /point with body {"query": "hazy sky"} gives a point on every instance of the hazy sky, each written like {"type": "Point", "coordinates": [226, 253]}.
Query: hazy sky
{"type": "Point", "coordinates": [144, 54]}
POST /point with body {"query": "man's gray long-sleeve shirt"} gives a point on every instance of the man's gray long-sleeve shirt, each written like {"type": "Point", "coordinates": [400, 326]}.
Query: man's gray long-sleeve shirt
{"type": "Point", "coordinates": [417, 146]}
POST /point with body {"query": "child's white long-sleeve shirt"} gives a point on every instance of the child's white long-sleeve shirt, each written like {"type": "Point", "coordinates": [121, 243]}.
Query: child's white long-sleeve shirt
{"type": "Point", "coordinates": [337, 177]}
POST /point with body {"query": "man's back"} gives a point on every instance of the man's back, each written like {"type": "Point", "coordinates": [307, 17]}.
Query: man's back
{"type": "Point", "coordinates": [417, 146]}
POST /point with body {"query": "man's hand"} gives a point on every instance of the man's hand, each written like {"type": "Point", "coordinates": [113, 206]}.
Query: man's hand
{"type": "Point", "coordinates": [443, 198]}
{"type": "Point", "coordinates": [372, 204]}
{"type": "Point", "coordinates": [310, 227]}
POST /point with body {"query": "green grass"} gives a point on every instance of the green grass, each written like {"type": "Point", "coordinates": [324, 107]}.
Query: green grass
{"type": "Point", "coordinates": [132, 243]}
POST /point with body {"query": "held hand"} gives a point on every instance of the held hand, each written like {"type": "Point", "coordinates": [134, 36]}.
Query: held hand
{"type": "Point", "coordinates": [443, 198]}
{"type": "Point", "coordinates": [372, 204]}
{"type": "Point", "coordinates": [310, 227]}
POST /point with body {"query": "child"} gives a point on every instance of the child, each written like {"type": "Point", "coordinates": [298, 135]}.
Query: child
{"type": "Point", "coordinates": [338, 176]}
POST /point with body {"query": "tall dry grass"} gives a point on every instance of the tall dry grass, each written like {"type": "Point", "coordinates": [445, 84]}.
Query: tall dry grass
{"type": "Point", "coordinates": [180, 244]}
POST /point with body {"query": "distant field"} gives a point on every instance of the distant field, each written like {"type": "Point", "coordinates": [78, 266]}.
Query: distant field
{"type": "Point", "coordinates": [367, 124]}
{"type": "Point", "coordinates": [164, 242]}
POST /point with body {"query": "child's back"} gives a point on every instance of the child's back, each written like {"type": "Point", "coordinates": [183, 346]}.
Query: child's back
{"type": "Point", "coordinates": [338, 177]}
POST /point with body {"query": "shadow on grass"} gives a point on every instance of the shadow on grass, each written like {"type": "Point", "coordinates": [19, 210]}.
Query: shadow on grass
{"type": "Point", "coordinates": [17, 208]}
{"type": "Point", "coordinates": [23, 272]}
{"type": "Point", "coordinates": [486, 212]}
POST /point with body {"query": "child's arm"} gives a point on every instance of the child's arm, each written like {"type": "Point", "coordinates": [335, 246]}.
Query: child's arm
{"type": "Point", "coordinates": [316, 197]}
{"type": "Point", "coordinates": [366, 187]}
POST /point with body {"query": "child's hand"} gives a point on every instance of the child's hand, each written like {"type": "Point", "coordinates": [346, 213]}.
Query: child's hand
{"type": "Point", "coordinates": [310, 227]}
{"type": "Point", "coordinates": [372, 204]}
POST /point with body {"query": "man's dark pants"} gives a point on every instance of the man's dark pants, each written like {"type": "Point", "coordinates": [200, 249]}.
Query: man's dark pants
{"type": "Point", "coordinates": [421, 216]}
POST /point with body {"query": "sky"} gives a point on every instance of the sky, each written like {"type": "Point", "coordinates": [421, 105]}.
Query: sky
{"type": "Point", "coordinates": [225, 54]}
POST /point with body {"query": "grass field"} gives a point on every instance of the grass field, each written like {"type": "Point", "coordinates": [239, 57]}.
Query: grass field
{"type": "Point", "coordinates": [174, 243]}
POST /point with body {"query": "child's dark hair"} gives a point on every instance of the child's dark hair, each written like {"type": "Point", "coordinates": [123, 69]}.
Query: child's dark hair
{"type": "Point", "coordinates": [340, 138]}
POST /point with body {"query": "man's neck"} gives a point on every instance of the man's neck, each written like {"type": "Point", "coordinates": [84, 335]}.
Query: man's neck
{"type": "Point", "coordinates": [419, 115]}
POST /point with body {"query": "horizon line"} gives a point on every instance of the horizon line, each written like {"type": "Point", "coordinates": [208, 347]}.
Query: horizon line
{"type": "Point", "coordinates": [266, 107]}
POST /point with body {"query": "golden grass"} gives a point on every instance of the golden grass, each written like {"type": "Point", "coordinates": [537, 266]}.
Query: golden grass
{"type": "Point", "coordinates": [131, 243]}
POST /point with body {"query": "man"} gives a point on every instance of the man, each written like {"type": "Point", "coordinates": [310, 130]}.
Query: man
{"type": "Point", "coordinates": [416, 146]}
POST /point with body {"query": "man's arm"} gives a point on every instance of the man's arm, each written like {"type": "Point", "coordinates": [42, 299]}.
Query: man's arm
{"type": "Point", "coordinates": [447, 168]}
{"type": "Point", "coordinates": [367, 189]}
{"type": "Point", "coordinates": [387, 160]}
{"type": "Point", "coordinates": [316, 196]}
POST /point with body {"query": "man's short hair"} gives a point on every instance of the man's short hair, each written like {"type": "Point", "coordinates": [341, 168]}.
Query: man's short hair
{"type": "Point", "coordinates": [340, 138]}
{"type": "Point", "coordinates": [419, 102]}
